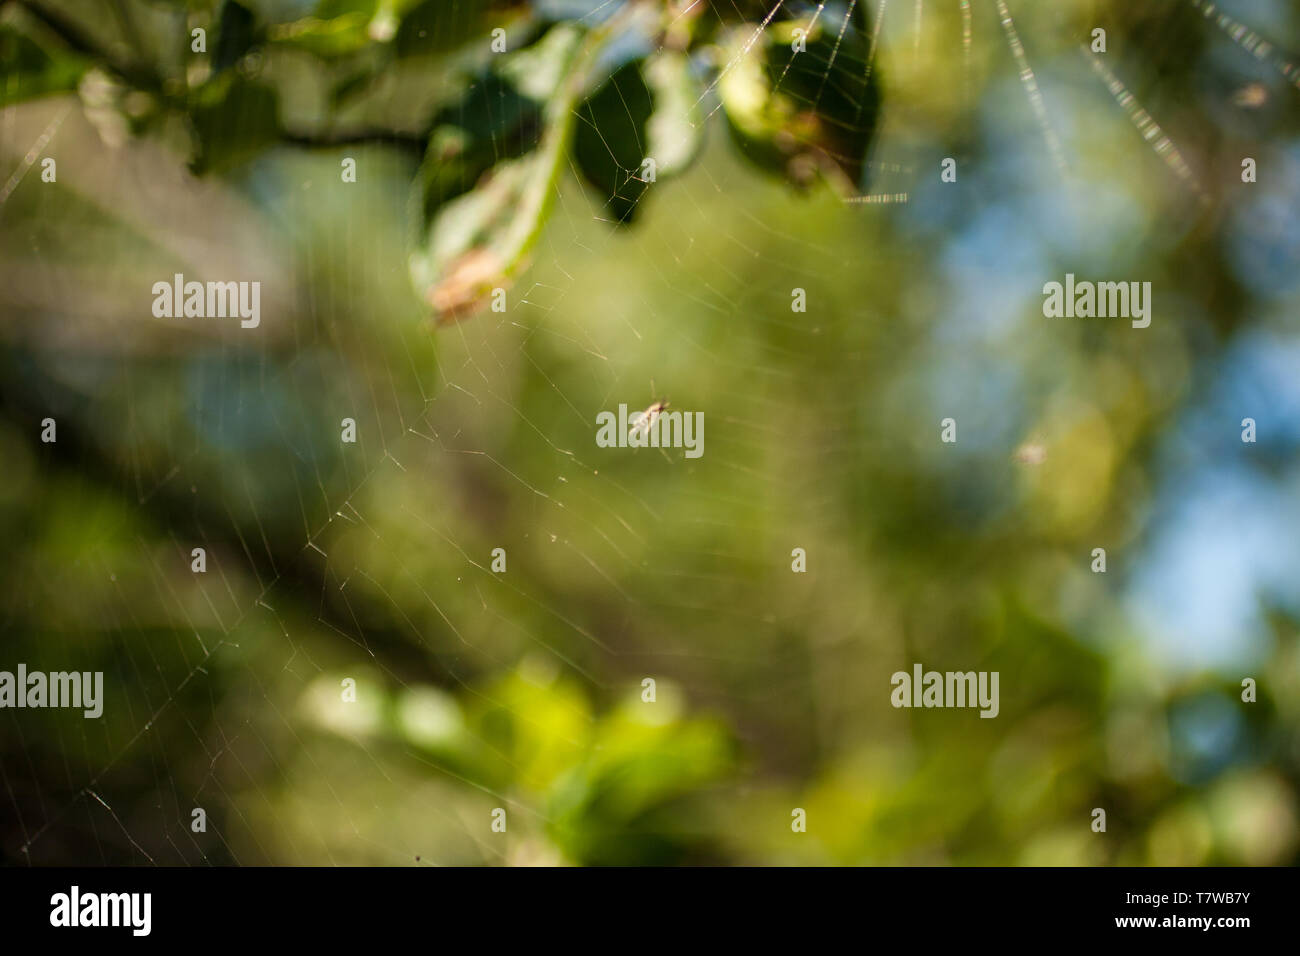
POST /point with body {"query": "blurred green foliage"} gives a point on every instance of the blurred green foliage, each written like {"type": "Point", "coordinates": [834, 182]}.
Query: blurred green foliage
{"type": "Point", "coordinates": [523, 690]}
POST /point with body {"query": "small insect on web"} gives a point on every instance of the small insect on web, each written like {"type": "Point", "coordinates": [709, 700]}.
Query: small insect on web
{"type": "Point", "coordinates": [644, 421]}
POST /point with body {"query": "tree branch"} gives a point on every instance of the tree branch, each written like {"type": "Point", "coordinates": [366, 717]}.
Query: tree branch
{"type": "Point", "coordinates": [415, 142]}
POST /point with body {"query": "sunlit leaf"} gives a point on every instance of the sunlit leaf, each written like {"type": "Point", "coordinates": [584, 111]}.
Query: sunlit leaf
{"type": "Point", "coordinates": [326, 38]}
{"type": "Point", "coordinates": [803, 114]}
{"type": "Point", "coordinates": [675, 130]}
{"type": "Point", "coordinates": [631, 784]}
{"type": "Point", "coordinates": [479, 241]}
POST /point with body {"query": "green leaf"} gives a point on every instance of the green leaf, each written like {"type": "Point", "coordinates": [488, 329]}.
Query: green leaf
{"type": "Point", "coordinates": [35, 69]}
{"type": "Point", "coordinates": [437, 26]}
{"type": "Point", "coordinates": [633, 777]}
{"type": "Point", "coordinates": [676, 128]}
{"type": "Point", "coordinates": [480, 240]}
{"type": "Point", "coordinates": [339, 28]}
{"type": "Point", "coordinates": [645, 111]}
{"type": "Point", "coordinates": [493, 123]}
{"type": "Point", "coordinates": [805, 115]}
{"type": "Point", "coordinates": [352, 85]}
{"type": "Point", "coordinates": [339, 36]}
{"type": "Point", "coordinates": [234, 119]}
{"type": "Point", "coordinates": [610, 143]}
{"type": "Point", "coordinates": [332, 9]}
{"type": "Point", "coordinates": [237, 33]}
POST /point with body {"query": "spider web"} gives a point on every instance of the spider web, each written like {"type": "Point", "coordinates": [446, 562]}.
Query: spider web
{"type": "Point", "coordinates": [373, 561]}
